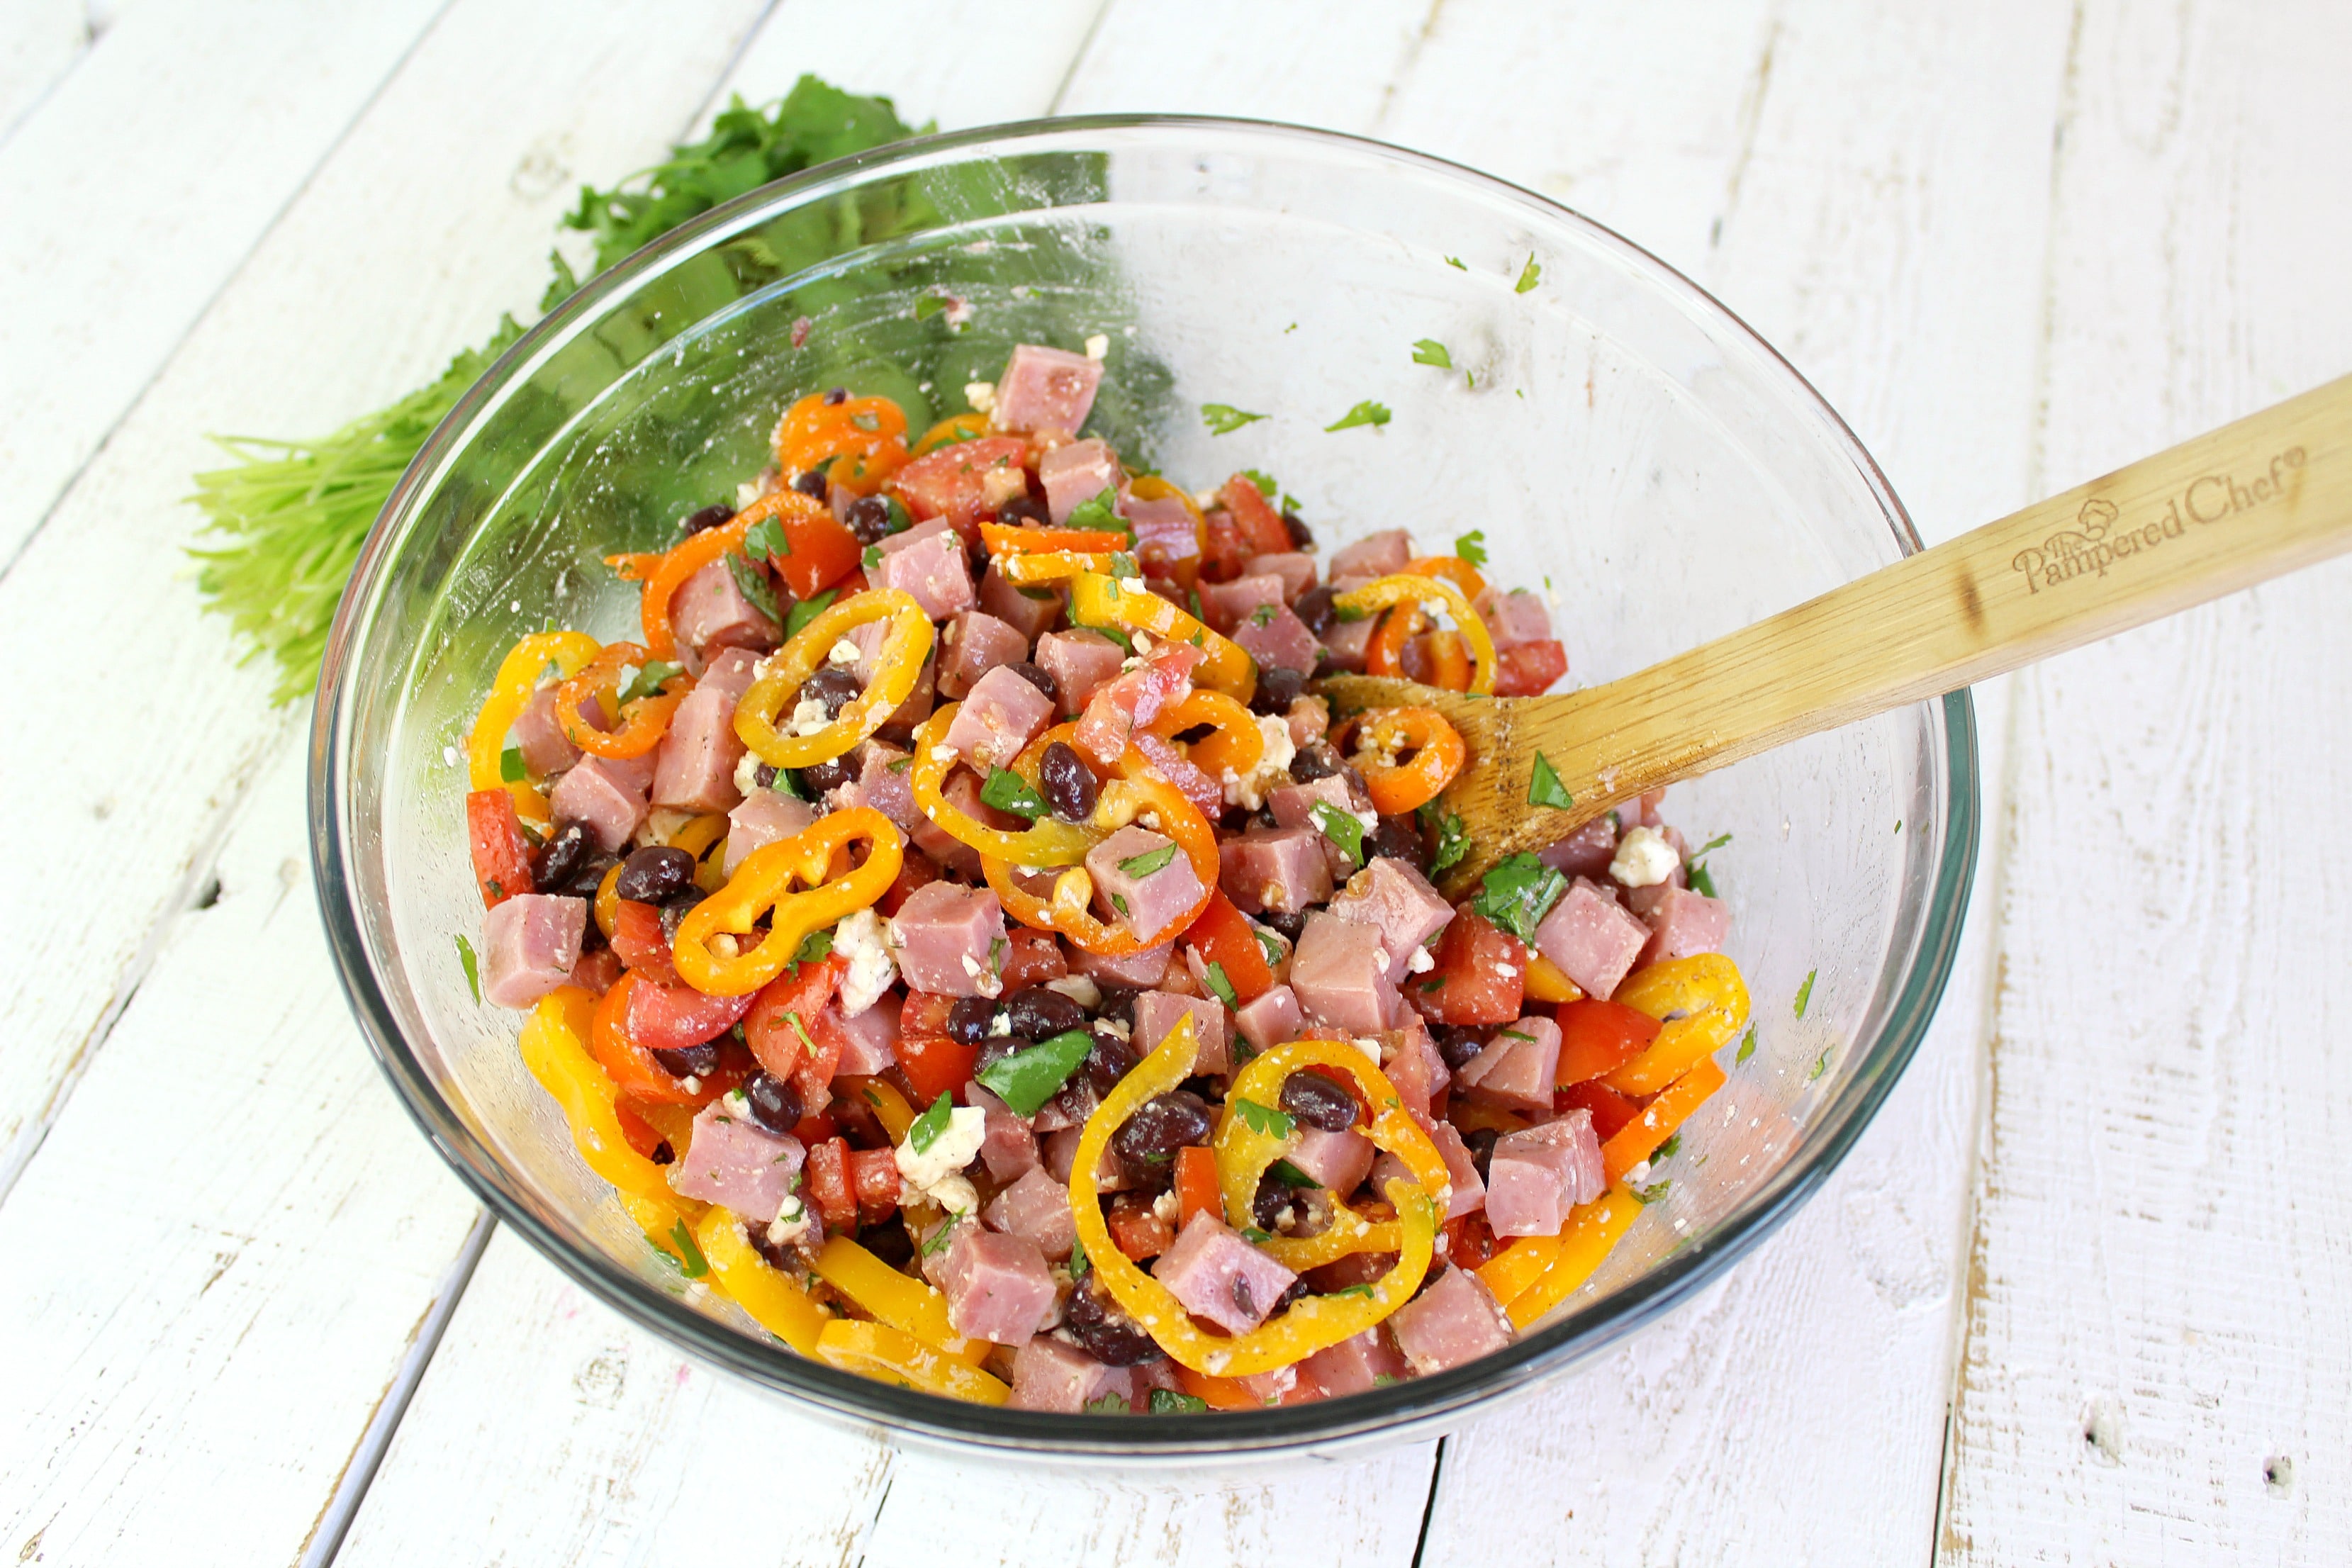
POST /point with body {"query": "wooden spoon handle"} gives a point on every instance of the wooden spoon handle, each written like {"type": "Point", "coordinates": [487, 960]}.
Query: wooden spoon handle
{"type": "Point", "coordinates": [2231, 508]}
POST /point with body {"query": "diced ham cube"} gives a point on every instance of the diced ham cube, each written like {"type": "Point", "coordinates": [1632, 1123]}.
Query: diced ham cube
{"type": "Point", "coordinates": [1144, 902]}
{"type": "Point", "coordinates": [1356, 1364]}
{"type": "Point", "coordinates": [977, 642]}
{"type": "Point", "coordinates": [1469, 1191]}
{"type": "Point", "coordinates": [1007, 1146]}
{"type": "Point", "coordinates": [1030, 609]}
{"type": "Point", "coordinates": [1132, 701]}
{"type": "Point", "coordinates": [1207, 795]}
{"type": "Point", "coordinates": [1395, 899]}
{"type": "Point", "coordinates": [1295, 567]}
{"type": "Point", "coordinates": [1050, 1375]}
{"type": "Point", "coordinates": [891, 545]}
{"type": "Point", "coordinates": [1340, 1160]}
{"type": "Point", "coordinates": [1591, 938]}
{"type": "Point", "coordinates": [1683, 922]}
{"type": "Point", "coordinates": [997, 1286]}
{"type": "Point", "coordinates": [1512, 618]}
{"type": "Point", "coordinates": [731, 674]}
{"type": "Point", "coordinates": [1453, 1322]}
{"type": "Point", "coordinates": [1279, 641]}
{"type": "Point", "coordinates": [1585, 852]}
{"type": "Point", "coordinates": [1271, 1019]}
{"type": "Point", "coordinates": [1080, 663]}
{"type": "Point", "coordinates": [1518, 1065]}
{"type": "Point", "coordinates": [946, 938]}
{"type": "Point", "coordinates": [1002, 714]}
{"type": "Point", "coordinates": [1347, 642]}
{"type": "Point", "coordinates": [1045, 389]}
{"type": "Point", "coordinates": [597, 794]}
{"type": "Point", "coordinates": [1218, 1275]}
{"type": "Point", "coordinates": [1157, 1014]}
{"type": "Point", "coordinates": [1293, 805]}
{"type": "Point", "coordinates": [1284, 869]}
{"type": "Point", "coordinates": [1417, 1071]}
{"type": "Point", "coordinates": [1381, 554]}
{"type": "Point", "coordinates": [530, 943]}
{"type": "Point", "coordinates": [870, 1040]}
{"type": "Point", "coordinates": [765, 817]}
{"type": "Point", "coordinates": [1341, 975]}
{"type": "Point", "coordinates": [538, 736]}
{"type": "Point", "coordinates": [739, 1164]}
{"type": "Point", "coordinates": [1167, 537]}
{"type": "Point", "coordinates": [1534, 1178]}
{"type": "Point", "coordinates": [694, 767]}
{"type": "Point", "coordinates": [709, 613]}
{"type": "Point", "coordinates": [934, 572]}
{"type": "Point", "coordinates": [1230, 603]}
{"type": "Point", "coordinates": [1074, 474]}
{"type": "Point", "coordinates": [1036, 1208]}
{"type": "Point", "coordinates": [883, 781]}
{"type": "Point", "coordinates": [1146, 967]}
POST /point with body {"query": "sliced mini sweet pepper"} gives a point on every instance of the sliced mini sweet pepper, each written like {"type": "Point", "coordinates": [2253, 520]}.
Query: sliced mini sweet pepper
{"type": "Point", "coordinates": [911, 1306]}
{"type": "Point", "coordinates": [1380, 735]}
{"type": "Point", "coordinates": [1047, 841]}
{"type": "Point", "coordinates": [511, 690]}
{"type": "Point", "coordinates": [1587, 1238]}
{"type": "Point", "coordinates": [1124, 603]}
{"type": "Point", "coordinates": [1702, 1002]}
{"type": "Point", "coordinates": [555, 1047]}
{"type": "Point", "coordinates": [762, 885]}
{"type": "Point", "coordinates": [1234, 744]}
{"type": "Point", "coordinates": [775, 1299]}
{"type": "Point", "coordinates": [819, 553]}
{"type": "Point", "coordinates": [864, 439]}
{"type": "Point", "coordinates": [1639, 1139]}
{"type": "Point", "coordinates": [892, 1355]}
{"type": "Point", "coordinates": [1406, 588]}
{"type": "Point", "coordinates": [643, 719]}
{"type": "Point", "coordinates": [775, 691]}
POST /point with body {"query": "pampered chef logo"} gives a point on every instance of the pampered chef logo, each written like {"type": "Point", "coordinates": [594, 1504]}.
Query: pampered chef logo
{"type": "Point", "coordinates": [2096, 543]}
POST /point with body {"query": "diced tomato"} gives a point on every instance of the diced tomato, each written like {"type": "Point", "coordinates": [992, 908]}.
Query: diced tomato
{"type": "Point", "coordinates": [627, 1057]}
{"type": "Point", "coordinates": [1610, 1111]}
{"type": "Point", "coordinates": [1196, 1184]}
{"type": "Point", "coordinates": [784, 1049]}
{"type": "Point", "coordinates": [1224, 938]}
{"type": "Point", "coordinates": [823, 552]}
{"type": "Point", "coordinates": [1529, 669]}
{"type": "Point", "coordinates": [1207, 795]}
{"type": "Point", "coordinates": [1130, 701]}
{"type": "Point", "coordinates": [1136, 1231]}
{"type": "Point", "coordinates": [501, 853]}
{"type": "Point", "coordinates": [874, 1177]}
{"type": "Point", "coordinates": [1470, 1242]}
{"type": "Point", "coordinates": [1260, 524]}
{"type": "Point", "coordinates": [1222, 549]}
{"type": "Point", "coordinates": [926, 1013]}
{"type": "Point", "coordinates": [1598, 1036]}
{"type": "Point", "coordinates": [672, 1017]}
{"type": "Point", "coordinates": [915, 869]}
{"type": "Point", "coordinates": [934, 1064]}
{"type": "Point", "coordinates": [1480, 975]}
{"type": "Point", "coordinates": [597, 970]}
{"type": "Point", "coordinates": [812, 1130]}
{"type": "Point", "coordinates": [829, 1187]}
{"type": "Point", "coordinates": [1031, 958]}
{"type": "Point", "coordinates": [947, 482]}
{"type": "Point", "coordinates": [637, 937]}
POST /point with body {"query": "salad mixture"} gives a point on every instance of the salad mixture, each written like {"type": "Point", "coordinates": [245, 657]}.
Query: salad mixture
{"type": "Point", "coordinates": [962, 937]}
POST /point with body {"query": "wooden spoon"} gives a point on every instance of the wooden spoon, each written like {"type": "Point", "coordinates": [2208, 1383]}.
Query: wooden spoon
{"type": "Point", "coordinates": [2231, 508]}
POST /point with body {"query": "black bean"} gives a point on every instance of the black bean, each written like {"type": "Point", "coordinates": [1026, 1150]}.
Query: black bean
{"type": "Point", "coordinates": [869, 517]}
{"type": "Point", "coordinates": [1481, 1145]}
{"type": "Point", "coordinates": [1458, 1045]}
{"type": "Point", "coordinates": [1316, 609]}
{"type": "Point", "coordinates": [1162, 1125]}
{"type": "Point", "coordinates": [1272, 1201]}
{"type": "Point", "coordinates": [675, 909]}
{"type": "Point", "coordinates": [588, 878]}
{"type": "Point", "coordinates": [655, 874]}
{"type": "Point", "coordinates": [1040, 678]}
{"type": "Point", "coordinates": [1070, 787]}
{"type": "Point", "coordinates": [693, 1062]}
{"type": "Point", "coordinates": [708, 517]}
{"type": "Point", "coordinates": [1301, 536]}
{"type": "Point", "coordinates": [826, 775]}
{"type": "Point", "coordinates": [1108, 1059]}
{"type": "Point", "coordinates": [559, 859]}
{"type": "Point", "coordinates": [664, 1155]}
{"type": "Point", "coordinates": [1077, 1100]}
{"type": "Point", "coordinates": [1040, 1014]}
{"type": "Point", "coordinates": [812, 484]}
{"type": "Point", "coordinates": [836, 686]}
{"type": "Point", "coordinates": [1277, 688]}
{"type": "Point", "coordinates": [968, 1020]}
{"type": "Point", "coordinates": [835, 397]}
{"type": "Point", "coordinates": [775, 1104]}
{"type": "Point", "coordinates": [1292, 926]}
{"type": "Point", "coordinates": [1326, 666]}
{"type": "Point", "coordinates": [889, 1242]}
{"type": "Point", "coordinates": [994, 1049]}
{"type": "Point", "coordinates": [1103, 1330]}
{"type": "Point", "coordinates": [1023, 512]}
{"type": "Point", "coordinates": [765, 775]}
{"type": "Point", "coordinates": [1318, 760]}
{"type": "Point", "coordinates": [1399, 839]}
{"type": "Point", "coordinates": [788, 1258]}
{"type": "Point", "coordinates": [1318, 1103]}
{"type": "Point", "coordinates": [1299, 1290]}
{"type": "Point", "coordinates": [1118, 1004]}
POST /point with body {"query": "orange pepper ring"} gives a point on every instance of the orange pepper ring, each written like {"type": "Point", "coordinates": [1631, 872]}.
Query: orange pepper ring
{"type": "Point", "coordinates": [968, 426]}
{"type": "Point", "coordinates": [1238, 745]}
{"type": "Point", "coordinates": [665, 574]}
{"type": "Point", "coordinates": [763, 883]}
{"type": "Point", "coordinates": [1398, 787]}
{"type": "Point", "coordinates": [644, 722]}
{"type": "Point", "coordinates": [1097, 600]}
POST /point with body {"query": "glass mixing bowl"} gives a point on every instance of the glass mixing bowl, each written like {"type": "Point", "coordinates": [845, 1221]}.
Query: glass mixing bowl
{"type": "Point", "coordinates": [1623, 441]}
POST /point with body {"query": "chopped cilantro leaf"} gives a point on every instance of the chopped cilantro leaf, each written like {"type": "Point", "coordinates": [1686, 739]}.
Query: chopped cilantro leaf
{"type": "Point", "coordinates": [940, 1238]}
{"type": "Point", "coordinates": [1516, 894]}
{"type": "Point", "coordinates": [1344, 828]}
{"type": "Point", "coordinates": [1385, 1379]}
{"type": "Point", "coordinates": [754, 586]}
{"type": "Point", "coordinates": [1118, 902]}
{"type": "Point", "coordinates": [1100, 514]}
{"type": "Point", "coordinates": [1348, 612]}
{"type": "Point", "coordinates": [1078, 1264]}
{"type": "Point", "coordinates": [466, 962]}
{"type": "Point", "coordinates": [1429, 350]}
{"type": "Point", "coordinates": [1263, 480]}
{"type": "Point", "coordinates": [1365, 413]}
{"type": "Point", "coordinates": [1169, 1401]}
{"type": "Point", "coordinates": [1516, 1034]}
{"type": "Point", "coordinates": [1821, 1063]}
{"type": "Point", "coordinates": [1452, 843]}
{"type": "Point", "coordinates": [690, 1254]}
{"type": "Point", "coordinates": [1290, 1175]}
{"type": "Point", "coordinates": [1263, 1119]}
{"type": "Point", "coordinates": [1008, 791]}
{"type": "Point", "coordinates": [1364, 1291]}
{"type": "Point", "coordinates": [1269, 944]}
{"type": "Point", "coordinates": [1250, 1233]}
{"type": "Point", "coordinates": [1702, 880]}
{"type": "Point", "coordinates": [1150, 861]}
{"type": "Point", "coordinates": [1529, 276]}
{"type": "Point", "coordinates": [511, 767]}
{"type": "Point", "coordinates": [815, 947]}
{"type": "Point", "coordinates": [1717, 842]}
{"type": "Point", "coordinates": [871, 558]}
{"type": "Point", "coordinates": [1456, 263]}
{"type": "Point", "coordinates": [1747, 1047]}
{"type": "Point", "coordinates": [647, 681]}
{"type": "Point", "coordinates": [1805, 991]}
{"type": "Point", "coordinates": [1545, 788]}
{"type": "Point", "coordinates": [765, 541]}
{"type": "Point", "coordinates": [1221, 986]}
{"type": "Point", "coordinates": [930, 305]}
{"type": "Point", "coordinates": [1472, 547]}
{"type": "Point", "coordinates": [1115, 1403]}
{"type": "Point", "coordinates": [808, 610]}
{"type": "Point", "coordinates": [927, 1128]}
{"type": "Point", "coordinates": [1650, 1194]}
{"type": "Point", "coordinates": [1667, 1149]}
{"type": "Point", "coordinates": [1223, 418]}
{"type": "Point", "coordinates": [1262, 615]}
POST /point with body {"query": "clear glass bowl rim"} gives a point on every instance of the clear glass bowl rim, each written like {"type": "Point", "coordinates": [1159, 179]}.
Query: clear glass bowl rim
{"type": "Point", "coordinates": [1415, 1407]}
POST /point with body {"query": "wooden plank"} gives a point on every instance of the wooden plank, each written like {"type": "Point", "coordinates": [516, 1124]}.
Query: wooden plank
{"type": "Point", "coordinates": [138, 187]}
{"type": "Point", "coordinates": [224, 1250]}
{"type": "Point", "coordinates": [436, 213]}
{"type": "Point", "coordinates": [2156, 1366]}
{"type": "Point", "coordinates": [1319, 64]}
{"type": "Point", "coordinates": [1851, 180]}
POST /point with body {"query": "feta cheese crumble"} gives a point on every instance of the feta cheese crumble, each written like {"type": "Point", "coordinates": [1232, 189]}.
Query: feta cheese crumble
{"type": "Point", "coordinates": [957, 1145]}
{"type": "Point", "coordinates": [1643, 858]}
{"type": "Point", "coordinates": [858, 939]}
{"type": "Point", "coordinates": [1098, 345]}
{"type": "Point", "coordinates": [1273, 768]}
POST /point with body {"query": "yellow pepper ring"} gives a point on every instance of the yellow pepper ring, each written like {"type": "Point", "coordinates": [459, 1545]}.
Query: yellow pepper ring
{"type": "Point", "coordinates": [1406, 588]}
{"type": "Point", "coordinates": [1703, 1001]}
{"type": "Point", "coordinates": [1097, 600]}
{"type": "Point", "coordinates": [881, 1293]}
{"type": "Point", "coordinates": [763, 882]}
{"type": "Point", "coordinates": [880, 1351]}
{"type": "Point", "coordinates": [554, 1045]}
{"type": "Point", "coordinates": [1238, 744]}
{"type": "Point", "coordinates": [1243, 1152]}
{"type": "Point", "coordinates": [511, 689]}
{"type": "Point", "coordinates": [782, 673]}
{"type": "Point", "coordinates": [1048, 841]}
{"type": "Point", "coordinates": [774, 1298]}
{"type": "Point", "coordinates": [1584, 1241]}
{"type": "Point", "coordinates": [1035, 566]}
{"type": "Point", "coordinates": [1307, 1326]}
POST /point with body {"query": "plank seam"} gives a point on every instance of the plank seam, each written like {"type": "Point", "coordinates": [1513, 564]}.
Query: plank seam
{"type": "Point", "coordinates": [1429, 1504]}
{"type": "Point", "coordinates": [196, 320]}
{"type": "Point", "coordinates": [1078, 58]}
{"type": "Point", "coordinates": [91, 33]}
{"type": "Point", "coordinates": [726, 74]}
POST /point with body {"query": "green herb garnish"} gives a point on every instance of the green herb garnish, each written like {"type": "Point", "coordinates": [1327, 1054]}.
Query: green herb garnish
{"type": "Point", "coordinates": [689, 1256]}
{"type": "Point", "coordinates": [1667, 1149]}
{"type": "Point", "coordinates": [647, 679]}
{"type": "Point", "coordinates": [1269, 944]}
{"type": "Point", "coordinates": [1529, 276]}
{"type": "Point", "coordinates": [753, 584]}
{"type": "Point", "coordinates": [939, 1239]}
{"type": "Point", "coordinates": [1365, 413]}
{"type": "Point", "coordinates": [1252, 1234]}
{"type": "Point", "coordinates": [1290, 1175]}
{"type": "Point", "coordinates": [1223, 418]}
{"type": "Point", "coordinates": [1026, 1079]}
{"type": "Point", "coordinates": [765, 541]}
{"type": "Point", "coordinates": [1213, 977]}
{"type": "Point", "coordinates": [1008, 791]}
{"type": "Point", "coordinates": [930, 305]}
{"type": "Point", "coordinates": [1429, 350]}
{"type": "Point", "coordinates": [1472, 547]}
{"type": "Point", "coordinates": [928, 1127]}
{"type": "Point", "coordinates": [814, 948]}
{"type": "Point", "coordinates": [1264, 1120]}
{"type": "Point", "coordinates": [1100, 514]}
{"type": "Point", "coordinates": [1517, 893]}
{"type": "Point", "coordinates": [1344, 828]}
{"type": "Point", "coordinates": [1747, 1047]}
{"type": "Point", "coordinates": [1821, 1063]}
{"type": "Point", "coordinates": [1262, 615]}
{"type": "Point", "coordinates": [1263, 480]}
{"type": "Point", "coordinates": [1169, 1401]}
{"type": "Point", "coordinates": [808, 610]}
{"type": "Point", "coordinates": [1545, 788]}
{"type": "Point", "coordinates": [872, 557]}
{"type": "Point", "coordinates": [1117, 1404]}
{"type": "Point", "coordinates": [1078, 1264]}
{"type": "Point", "coordinates": [511, 767]}
{"type": "Point", "coordinates": [1805, 991]}
{"type": "Point", "coordinates": [1650, 1194]}
{"type": "Point", "coordinates": [1150, 861]}
{"type": "Point", "coordinates": [1452, 843]}
{"type": "Point", "coordinates": [466, 962]}
{"type": "Point", "coordinates": [1364, 1291]}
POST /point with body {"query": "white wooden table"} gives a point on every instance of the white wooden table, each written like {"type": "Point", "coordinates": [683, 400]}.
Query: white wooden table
{"type": "Point", "coordinates": [2083, 1293]}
